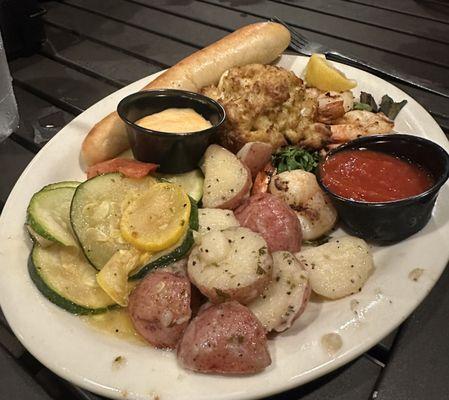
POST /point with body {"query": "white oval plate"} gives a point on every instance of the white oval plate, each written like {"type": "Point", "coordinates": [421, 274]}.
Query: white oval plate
{"type": "Point", "coordinates": [76, 352]}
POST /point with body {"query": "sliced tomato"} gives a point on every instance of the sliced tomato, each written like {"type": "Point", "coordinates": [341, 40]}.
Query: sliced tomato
{"type": "Point", "coordinates": [129, 168]}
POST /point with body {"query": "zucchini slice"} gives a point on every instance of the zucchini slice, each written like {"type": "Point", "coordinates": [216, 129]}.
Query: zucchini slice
{"type": "Point", "coordinates": [174, 253]}
{"type": "Point", "coordinates": [63, 276]}
{"type": "Point", "coordinates": [194, 222]}
{"type": "Point", "coordinates": [96, 211]}
{"type": "Point", "coordinates": [36, 238]}
{"type": "Point", "coordinates": [48, 215]}
{"type": "Point", "coordinates": [64, 184]}
{"type": "Point", "coordinates": [166, 257]}
{"type": "Point", "coordinates": [191, 182]}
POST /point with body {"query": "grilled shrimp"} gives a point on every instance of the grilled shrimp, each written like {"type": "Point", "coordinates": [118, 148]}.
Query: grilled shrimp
{"type": "Point", "coordinates": [263, 179]}
{"type": "Point", "coordinates": [330, 105]}
{"type": "Point", "coordinates": [316, 136]}
{"type": "Point", "coordinates": [357, 123]}
{"type": "Point", "coordinates": [300, 190]}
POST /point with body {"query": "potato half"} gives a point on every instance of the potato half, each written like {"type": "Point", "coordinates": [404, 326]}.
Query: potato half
{"type": "Point", "coordinates": [227, 181]}
{"type": "Point", "coordinates": [215, 219]}
{"type": "Point", "coordinates": [233, 264]}
{"type": "Point", "coordinates": [338, 268]}
{"type": "Point", "coordinates": [286, 297]}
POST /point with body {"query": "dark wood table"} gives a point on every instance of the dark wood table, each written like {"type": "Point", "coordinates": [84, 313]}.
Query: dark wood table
{"type": "Point", "coordinates": [97, 46]}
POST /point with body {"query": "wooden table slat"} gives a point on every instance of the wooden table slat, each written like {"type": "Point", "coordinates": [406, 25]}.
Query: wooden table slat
{"type": "Point", "coordinates": [39, 120]}
{"type": "Point", "coordinates": [85, 395]}
{"type": "Point", "coordinates": [140, 43]}
{"type": "Point", "coordinates": [101, 60]}
{"type": "Point", "coordinates": [70, 89]}
{"type": "Point", "coordinates": [15, 383]}
{"type": "Point", "coordinates": [421, 9]}
{"type": "Point", "coordinates": [418, 367]}
{"type": "Point", "coordinates": [355, 381]}
{"type": "Point", "coordinates": [10, 343]}
{"type": "Point", "coordinates": [387, 342]}
{"type": "Point", "coordinates": [234, 17]}
{"type": "Point", "coordinates": [13, 160]}
{"type": "Point", "coordinates": [224, 18]}
{"type": "Point", "coordinates": [155, 21]}
{"type": "Point", "coordinates": [3, 319]}
{"type": "Point", "coordinates": [352, 31]}
{"type": "Point", "coordinates": [387, 20]}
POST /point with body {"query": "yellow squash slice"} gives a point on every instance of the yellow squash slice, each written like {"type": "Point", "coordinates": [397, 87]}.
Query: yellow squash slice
{"type": "Point", "coordinates": [322, 75]}
{"type": "Point", "coordinates": [156, 219]}
{"type": "Point", "coordinates": [113, 277]}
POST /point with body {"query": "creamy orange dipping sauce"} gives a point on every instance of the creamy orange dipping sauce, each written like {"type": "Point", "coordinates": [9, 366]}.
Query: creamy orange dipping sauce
{"type": "Point", "coordinates": [175, 120]}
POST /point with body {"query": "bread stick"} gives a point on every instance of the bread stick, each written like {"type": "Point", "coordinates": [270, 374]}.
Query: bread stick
{"type": "Point", "coordinates": [259, 43]}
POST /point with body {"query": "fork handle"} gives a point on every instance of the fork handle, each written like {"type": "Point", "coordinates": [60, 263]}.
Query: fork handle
{"type": "Point", "coordinates": [407, 79]}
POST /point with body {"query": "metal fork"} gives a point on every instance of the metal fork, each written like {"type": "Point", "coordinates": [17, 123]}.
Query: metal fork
{"type": "Point", "coordinates": [306, 47]}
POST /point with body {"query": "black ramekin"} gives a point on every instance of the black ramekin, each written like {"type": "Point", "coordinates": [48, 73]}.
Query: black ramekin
{"type": "Point", "coordinates": [175, 153]}
{"type": "Point", "coordinates": [389, 222]}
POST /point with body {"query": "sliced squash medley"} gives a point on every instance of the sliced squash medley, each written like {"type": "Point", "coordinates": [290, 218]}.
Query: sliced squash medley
{"type": "Point", "coordinates": [191, 182]}
{"type": "Point", "coordinates": [125, 228]}
{"type": "Point", "coordinates": [96, 211]}
{"type": "Point", "coordinates": [65, 277]}
{"type": "Point", "coordinates": [113, 277]}
{"type": "Point", "coordinates": [322, 75]}
{"type": "Point", "coordinates": [48, 215]}
{"type": "Point", "coordinates": [157, 218]}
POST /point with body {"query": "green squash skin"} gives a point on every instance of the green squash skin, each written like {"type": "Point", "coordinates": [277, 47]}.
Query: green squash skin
{"type": "Point", "coordinates": [56, 298]}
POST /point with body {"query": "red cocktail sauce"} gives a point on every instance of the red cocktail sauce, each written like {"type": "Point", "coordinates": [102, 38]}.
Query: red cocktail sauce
{"type": "Point", "coordinates": [372, 176]}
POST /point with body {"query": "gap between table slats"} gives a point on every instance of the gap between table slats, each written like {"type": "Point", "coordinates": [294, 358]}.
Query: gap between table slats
{"type": "Point", "coordinates": [393, 42]}
{"type": "Point", "coordinates": [156, 22]}
{"type": "Point", "coordinates": [232, 18]}
{"type": "Point", "coordinates": [408, 7]}
{"type": "Point", "coordinates": [386, 20]}
{"type": "Point", "coordinates": [162, 51]}
{"type": "Point", "coordinates": [100, 60]}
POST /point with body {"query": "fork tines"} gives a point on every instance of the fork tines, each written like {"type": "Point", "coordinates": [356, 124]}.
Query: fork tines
{"type": "Point", "coordinates": [298, 41]}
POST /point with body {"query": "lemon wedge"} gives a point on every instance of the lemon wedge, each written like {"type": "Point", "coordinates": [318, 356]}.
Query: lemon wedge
{"type": "Point", "coordinates": [322, 75]}
{"type": "Point", "coordinates": [157, 218]}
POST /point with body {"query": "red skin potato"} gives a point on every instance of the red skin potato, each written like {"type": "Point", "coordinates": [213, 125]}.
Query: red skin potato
{"type": "Point", "coordinates": [255, 155]}
{"type": "Point", "coordinates": [235, 201]}
{"type": "Point", "coordinates": [243, 293]}
{"type": "Point", "coordinates": [226, 339]}
{"type": "Point", "coordinates": [159, 308]}
{"type": "Point", "coordinates": [228, 201]}
{"type": "Point", "coordinates": [129, 168]}
{"type": "Point", "coordinates": [274, 220]}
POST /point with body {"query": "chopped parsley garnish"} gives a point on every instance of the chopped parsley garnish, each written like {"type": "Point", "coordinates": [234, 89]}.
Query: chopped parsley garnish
{"type": "Point", "coordinates": [291, 157]}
